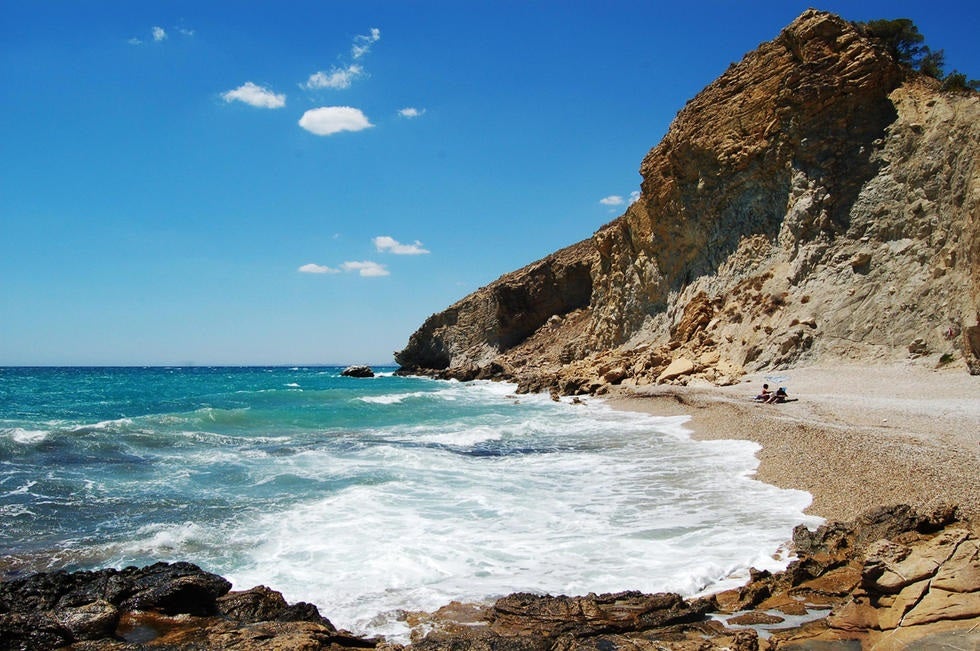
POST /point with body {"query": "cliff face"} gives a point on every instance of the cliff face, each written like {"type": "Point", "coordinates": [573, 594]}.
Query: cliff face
{"type": "Point", "coordinates": [817, 202]}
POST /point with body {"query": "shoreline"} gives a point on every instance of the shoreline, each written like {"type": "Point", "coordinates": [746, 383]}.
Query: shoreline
{"type": "Point", "coordinates": [855, 437]}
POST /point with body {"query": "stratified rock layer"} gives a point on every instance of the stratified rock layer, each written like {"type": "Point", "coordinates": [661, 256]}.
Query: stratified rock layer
{"type": "Point", "coordinates": [817, 202]}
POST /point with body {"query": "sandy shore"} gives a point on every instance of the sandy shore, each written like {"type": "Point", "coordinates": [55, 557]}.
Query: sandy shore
{"type": "Point", "coordinates": [855, 438]}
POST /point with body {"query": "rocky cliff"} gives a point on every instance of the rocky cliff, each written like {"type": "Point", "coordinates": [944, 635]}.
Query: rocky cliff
{"type": "Point", "coordinates": [817, 202]}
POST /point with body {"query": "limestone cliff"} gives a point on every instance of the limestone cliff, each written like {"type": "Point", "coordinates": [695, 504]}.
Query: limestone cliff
{"type": "Point", "coordinates": [816, 202]}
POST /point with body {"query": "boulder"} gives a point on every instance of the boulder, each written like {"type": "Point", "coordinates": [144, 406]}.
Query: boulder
{"type": "Point", "coordinates": [358, 371]}
{"type": "Point", "coordinates": [262, 604]}
{"type": "Point", "coordinates": [174, 589]}
{"type": "Point", "coordinates": [678, 367]}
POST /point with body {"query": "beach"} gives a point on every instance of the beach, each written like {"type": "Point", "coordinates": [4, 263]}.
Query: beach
{"type": "Point", "coordinates": [854, 437]}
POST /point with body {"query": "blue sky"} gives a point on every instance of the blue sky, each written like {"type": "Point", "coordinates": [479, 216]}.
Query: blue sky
{"type": "Point", "coordinates": [306, 182]}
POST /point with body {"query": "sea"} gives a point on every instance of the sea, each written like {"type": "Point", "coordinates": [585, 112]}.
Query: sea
{"type": "Point", "coordinates": [373, 497]}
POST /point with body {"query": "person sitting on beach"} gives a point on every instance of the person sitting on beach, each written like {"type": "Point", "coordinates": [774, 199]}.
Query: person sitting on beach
{"type": "Point", "coordinates": [778, 396]}
{"type": "Point", "coordinates": [764, 394]}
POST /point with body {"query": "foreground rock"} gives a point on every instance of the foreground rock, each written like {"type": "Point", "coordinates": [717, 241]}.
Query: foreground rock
{"type": "Point", "coordinates": [161, 606]}
{"type": "Point", "coordinates": [892, 579]}
{"type": "Point", "coordinates": [817, 203]}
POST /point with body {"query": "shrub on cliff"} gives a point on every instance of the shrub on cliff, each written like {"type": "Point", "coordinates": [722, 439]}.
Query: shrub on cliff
{"type": "Point", "coordinates": [907, 44]}
{"type": "Point", "coordinates": [956, 81]}
{"type": "Point", "coordinates": [901, 37]}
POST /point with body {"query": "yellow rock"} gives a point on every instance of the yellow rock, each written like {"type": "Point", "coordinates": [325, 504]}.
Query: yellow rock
{"type": "Point", "coordinates": [678, 367]}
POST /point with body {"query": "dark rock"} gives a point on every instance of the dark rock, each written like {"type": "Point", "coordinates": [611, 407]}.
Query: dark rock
{"type": "Point", "coordinates": [358, 371]}
{"type": "Point", "coordinates": [836, 539]}
{"type": "Point", "coordinates": [31, 631]}
{"type": "Point", "coordinates": [172, 589]}
{"type": "Point", "coordinates": [49, 610]}
{"type": "Point", "coordinates": [262, 604]}
{"type": "Point", "coordinates": [164, 605]}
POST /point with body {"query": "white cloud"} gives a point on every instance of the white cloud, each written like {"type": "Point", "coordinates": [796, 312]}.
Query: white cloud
{"type": "Point", "coordinates": [411, 112]}
{"type": "Point", "coordinates": [159, 34]}
{"type": "Point", "coordinates": [634, 196]}
{"type": "Point", "coordinates": [255, 95]}
{"type": "Point", "coordinates": [612, 200]}
{"type": "Point", "coordinates": [340, 78]}
{"type": "Point", "coordinates": [337, 78]}
{"type": "Point", "coordinates": [328, 120]}
{"type": "Point", "coordinates": [363, 42]}
{"type": "Point", "coordinates": [388, 244]}
{"type": "Point", "coordinates": [312, 268]}
{"type": "Point", "coordinates": [366, 268]}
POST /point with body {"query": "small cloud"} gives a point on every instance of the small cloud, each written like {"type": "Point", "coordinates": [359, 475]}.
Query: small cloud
{"type": "Point", "coordinates": [612, 200]}
{"type": "Point", "coordinates": [390, 245]}
{"type": "Point", "coordinates": [363, 42]}
{"type": "Point", "coordinates": [337, 78]}
{"type": "Point", "coordinates": [340, 78]}
{"type": "Point", "coordinates": [312, 268]}
{"type": "Point", "coordinates": [411, 112]}
{"type": "Point", "coordinates": [159, 34]}
{"type": "Point", "coordinates": [255, 95]}
{"type": "Point", "coordinates": [328, 120]}
{"type": "Point", "coordinates": [634, 196]}
{"type": "Point", "coordinates": [366, 268]}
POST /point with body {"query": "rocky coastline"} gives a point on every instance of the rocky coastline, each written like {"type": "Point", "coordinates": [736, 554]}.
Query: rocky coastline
{"type": "Point", "coordinates": [817, 204]}
{"type": "Point", "coordinates": [893, 578]}
{"type": "Point", "coordinates": [872, 577]}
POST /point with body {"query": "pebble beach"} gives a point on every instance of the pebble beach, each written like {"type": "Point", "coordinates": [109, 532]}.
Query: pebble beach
{"type": "Point", "coordinates": [853, 437]}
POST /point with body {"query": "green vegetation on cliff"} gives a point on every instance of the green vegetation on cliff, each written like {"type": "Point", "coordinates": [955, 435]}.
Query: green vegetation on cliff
{"type": "Point", "coordinates": [906, 43]}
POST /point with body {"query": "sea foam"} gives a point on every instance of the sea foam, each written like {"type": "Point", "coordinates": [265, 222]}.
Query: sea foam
{"type": "Point", "coordinates": [593, 501]}
{"type": "Point", "coordinates": [374, 498]}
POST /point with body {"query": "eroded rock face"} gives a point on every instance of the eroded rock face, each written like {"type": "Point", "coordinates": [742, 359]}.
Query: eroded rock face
{"type": "Point", "coordinates": [817, 202]}
{"type": "Point", "coordinates": [474, 332]}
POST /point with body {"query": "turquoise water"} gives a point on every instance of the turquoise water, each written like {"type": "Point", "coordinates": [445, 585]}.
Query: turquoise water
{"type": "Point", "coordinates": [372, 496]}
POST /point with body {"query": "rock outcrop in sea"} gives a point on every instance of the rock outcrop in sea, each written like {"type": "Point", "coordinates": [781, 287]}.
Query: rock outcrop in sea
{"type": "Point", "coordinates": [358, 371]}
{"type": "Point", "coordinates": [818, 202]}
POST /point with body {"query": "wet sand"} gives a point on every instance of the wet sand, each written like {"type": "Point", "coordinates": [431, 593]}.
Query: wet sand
{"type": "Point", "coordinates": [854, 437]}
